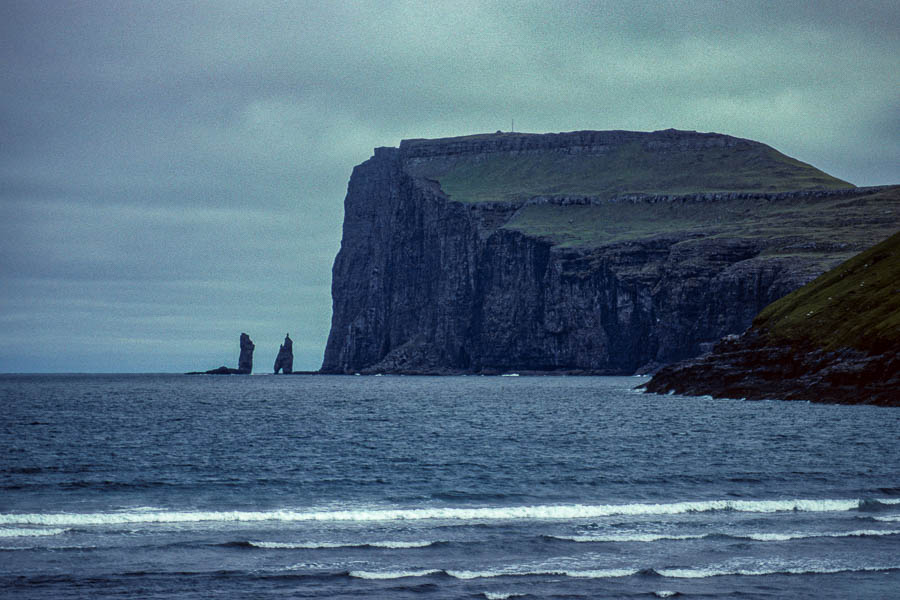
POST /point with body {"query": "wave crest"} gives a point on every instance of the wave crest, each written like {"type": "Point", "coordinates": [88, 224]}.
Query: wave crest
{"type": "Point", "coordinates": [537, 512]}
{"type": "Point", "coordinates": [29, 532]}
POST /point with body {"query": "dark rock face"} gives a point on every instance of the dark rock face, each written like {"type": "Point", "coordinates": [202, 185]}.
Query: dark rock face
{"type": "Point", "coordinates": [245, 361]}
{"type": "Point", "coordinates": [223, 370]}
{"type": "Point", "coordinates": [749, 367]}
{"type": "Point", "coordinates": [285, 360]}
{"type": "Point", "coordinates": [835, 340]}
{"type": "Point", "coordinates": [425, 284]}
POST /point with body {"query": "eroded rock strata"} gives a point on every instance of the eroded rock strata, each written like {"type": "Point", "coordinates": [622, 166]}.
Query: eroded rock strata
{"type": "Point", "coordinates": [456, 258]}
{"type": "Point", "coordinates": [836, 340]}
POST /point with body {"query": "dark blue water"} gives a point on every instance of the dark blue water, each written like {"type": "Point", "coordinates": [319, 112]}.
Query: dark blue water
{"type": "Point", "coordinates": [462, 487]}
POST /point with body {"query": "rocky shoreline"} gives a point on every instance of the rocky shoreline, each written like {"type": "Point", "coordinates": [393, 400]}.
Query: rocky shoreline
{"type": "Point", "coordinates": [835, 340]}
{"type": "Point", "coordinates": [746, 367]}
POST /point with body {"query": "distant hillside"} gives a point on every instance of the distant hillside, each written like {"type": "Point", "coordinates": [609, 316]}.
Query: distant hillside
{"type": "Point", "coordinates": [603, 252]}
{"type": "Point", "coordinates": [836, 339]}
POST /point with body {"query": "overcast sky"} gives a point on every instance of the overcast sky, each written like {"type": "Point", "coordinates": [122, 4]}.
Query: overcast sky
{"type": "Point", "coordinates": [173, 173]}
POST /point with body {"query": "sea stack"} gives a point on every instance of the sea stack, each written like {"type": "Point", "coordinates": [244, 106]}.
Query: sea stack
{"type": "Point", "coordinates": [245, 361]}
{"type": "Point", "coordinates": [284, 362]}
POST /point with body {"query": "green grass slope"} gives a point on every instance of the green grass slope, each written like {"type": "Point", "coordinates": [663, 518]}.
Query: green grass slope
{"type": "Point", "coordinates": [855, 305]}
{"type": "Point", "coordinates": [833, 227]}
{"type": "Point", "coordinates": [628, 168]}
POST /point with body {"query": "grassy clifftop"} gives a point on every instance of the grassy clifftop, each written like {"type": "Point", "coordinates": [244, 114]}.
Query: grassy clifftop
{"type": "Point", "coordinates": [830, 228]}
{"type": "Point", "coordinates": [632, 167]}
{"type": "Point", "coordinates": [855, 305]}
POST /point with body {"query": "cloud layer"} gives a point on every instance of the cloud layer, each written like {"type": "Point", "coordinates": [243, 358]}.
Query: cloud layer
{"type": "Point", "coordinates": [172, 174]}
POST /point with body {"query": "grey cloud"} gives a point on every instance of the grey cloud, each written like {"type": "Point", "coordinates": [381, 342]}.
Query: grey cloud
{"type": "Point", "coordinates": [187, 162]}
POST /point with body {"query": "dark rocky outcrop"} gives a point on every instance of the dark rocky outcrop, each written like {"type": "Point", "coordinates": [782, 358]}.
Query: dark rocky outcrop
{"type": "Point", "coordinates": [284, 362]}
{"type": "Point", "coordinates": [836, 340]}
{"type": "Point", "coordinates": [442, 271]}
{"type": "Point", "coordinates": [752, 368]}
{"type": "Point", "coordinates": [245, 361]}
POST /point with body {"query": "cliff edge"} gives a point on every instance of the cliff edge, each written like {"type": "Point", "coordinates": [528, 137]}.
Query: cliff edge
{"type": "Point", "coordinates": [584, 252]}
{"type": "Point", "coordinates": [835, 340]}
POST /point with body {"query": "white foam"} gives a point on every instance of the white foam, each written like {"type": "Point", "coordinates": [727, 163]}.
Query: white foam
{"type": "Point", "coordinates": [712, 572]}
{"type": "Point", "coordinates": [889, 519]}
{"type": "Point", "coordinates": [587, 574]}
{"type": "Point", "coordinates": [538, 512]}
{"type": "Point", "coordinates": [502, 595]}
{"type": "Point", "coordinates": [665, 594]}
{"type": "Point", "coordinates": [25, 532]}
{"type": "Point", "coordinates": [399, 545]}
{"type": "Point", "coordinates": [759, 537]}
{"type": "Point", "coordinates": [634, 537]}
{"type": "Point", "coordinates": [680, 573]}
{"type": "Point", "coordinates": [322, 545]}
{"type": "Point", "coordinates": [393, 574]}
{"type": "Point", "coordinates": [781, 537]}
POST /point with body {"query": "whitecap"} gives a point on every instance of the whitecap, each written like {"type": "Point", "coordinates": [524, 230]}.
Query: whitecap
{"type": "Point", "coordinates": [393, 574]}
{"type": "Point", "coordinates": [326, 545]}
{"type": "Point", "coordinates": [811, 570]}
{"type": "Point", "coordinates": [781, 537]}
{"type": "Point", "coordinates": [585, 574]}
{"type": "Point", "coordinates": [633, 537]}
{"type": "Point", "coordinates": [29, 532]}
{"type": "Point", "coordinates": [535, 512]}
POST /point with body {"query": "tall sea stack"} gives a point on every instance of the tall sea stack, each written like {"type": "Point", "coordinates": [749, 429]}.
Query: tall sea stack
{"type": "Point", "coordinates": [605, 252]}
{"type": "Point", "coordinates": [284, 362]}
{"type": "Point", "coordinates": [245, 360]}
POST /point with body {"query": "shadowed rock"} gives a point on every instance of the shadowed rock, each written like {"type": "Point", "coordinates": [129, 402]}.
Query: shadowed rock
{"type": "Point", "coordinates": [518, 252]}
{"type": "Point", "coordinates": [245, 361]}
{"type": "Point", "coordinates": [835, 340]}
{"type": "Point", "coordinates": [285, 360]}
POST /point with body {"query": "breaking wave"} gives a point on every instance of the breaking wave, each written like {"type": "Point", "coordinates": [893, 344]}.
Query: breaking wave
{"type": "Point", "coordinates": [759, 537]}
{"type": "Point", "coordinates": [671, 573]}
{"type": "Point", "coordinates": [25, 532]}
{"type": "Point", "coordinates": [324, 545]}
{"type": "Point", "coordinates": [539, 512]}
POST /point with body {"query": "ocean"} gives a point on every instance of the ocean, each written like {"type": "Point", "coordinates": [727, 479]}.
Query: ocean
{"type": "Point", "coordinates": [173, 486]}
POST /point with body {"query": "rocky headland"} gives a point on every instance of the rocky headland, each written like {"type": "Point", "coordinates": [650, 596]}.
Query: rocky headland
{"type": "Point", "coordinates": [835, 340]}
{"type": "Point", "coordinates": [602, 252]}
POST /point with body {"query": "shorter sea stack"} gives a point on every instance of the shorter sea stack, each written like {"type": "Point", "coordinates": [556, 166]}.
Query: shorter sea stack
{"type": "Point", "coordinates": [284, 362]}
{"type": "Point", "coordinates": [835, 340]}
{"type": "Point", "coordinates": [245, 361]}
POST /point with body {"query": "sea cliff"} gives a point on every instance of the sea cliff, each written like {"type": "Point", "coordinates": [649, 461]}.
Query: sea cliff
{"type": "Point", "coordinates": [587, 252]}
{"type": "Point", "coordinates": [835, 340]}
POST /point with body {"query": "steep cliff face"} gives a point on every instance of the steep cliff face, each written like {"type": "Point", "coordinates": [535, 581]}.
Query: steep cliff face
{"type": "Point", "coordinates": [594, 278]}
{"type": "Point", "coordinates": [836, 340]}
